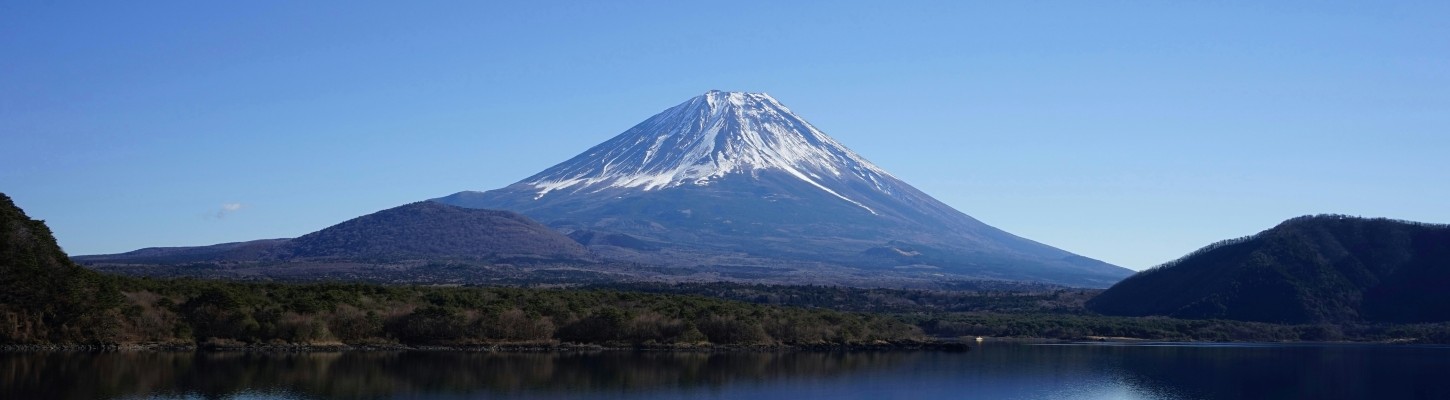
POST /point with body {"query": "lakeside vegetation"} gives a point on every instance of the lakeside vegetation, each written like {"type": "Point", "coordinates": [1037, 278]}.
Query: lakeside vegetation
{"type": "Point", "coordinates": [46, 299]}
{"type": "Point", "coordinates": [1049, 313]}
{"type": "Point", "coordinates": [1098, 327]}
{"type": "Point", "coordinates": [218, 313]}
{"type": "Point", "coordinates": [185, 312]}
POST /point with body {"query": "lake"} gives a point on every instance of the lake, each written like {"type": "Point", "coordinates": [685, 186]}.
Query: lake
{"type": "Point", "coordinates": [989, 371]}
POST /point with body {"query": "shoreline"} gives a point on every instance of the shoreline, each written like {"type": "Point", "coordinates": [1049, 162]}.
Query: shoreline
{"type": "Point", "coordinates": [943, 345]}
{"type": "Point", "coordinates": [909, 345]}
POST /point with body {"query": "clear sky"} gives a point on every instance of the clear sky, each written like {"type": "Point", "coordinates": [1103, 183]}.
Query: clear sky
{"type": "Point", "coordinates": [1131, 132]}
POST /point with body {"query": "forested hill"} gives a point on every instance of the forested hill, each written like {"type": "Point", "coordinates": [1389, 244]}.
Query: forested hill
{"type": "Point", "coordinates": [43, 296]}
{"type": "Point", "coordinates": [1325, 268]}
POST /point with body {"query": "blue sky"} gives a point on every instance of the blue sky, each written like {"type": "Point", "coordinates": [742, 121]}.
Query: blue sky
{"type": "Point", "coordinates": [1131, 132]}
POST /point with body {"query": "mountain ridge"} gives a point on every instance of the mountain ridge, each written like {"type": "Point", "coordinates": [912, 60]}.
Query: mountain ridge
{"type": "Point", "coordinates": [419, 230]}
{"type": "Point", "coordinates": [1310, 269]}
{"type": "Point", "coordinates": [740, 173]}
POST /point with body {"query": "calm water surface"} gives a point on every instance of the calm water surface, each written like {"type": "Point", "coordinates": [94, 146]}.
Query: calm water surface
{"type": "Point", "coordinates": [991, 371]}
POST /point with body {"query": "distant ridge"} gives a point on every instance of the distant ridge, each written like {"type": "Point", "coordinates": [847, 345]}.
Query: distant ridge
{"type": "Point", "coordinates": [1322, 268]}
{"type": "Point", "coordinates": [429, 230]}
{"type": "Point", "coordinates": [421, 230]}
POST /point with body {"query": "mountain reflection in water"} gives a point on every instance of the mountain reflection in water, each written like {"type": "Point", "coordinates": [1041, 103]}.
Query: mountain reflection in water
{"type": "Point", "coordinates": [990, 371]}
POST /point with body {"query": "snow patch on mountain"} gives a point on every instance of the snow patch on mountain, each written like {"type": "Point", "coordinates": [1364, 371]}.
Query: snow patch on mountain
{"type": "Point", "coordinates": [709, 137]}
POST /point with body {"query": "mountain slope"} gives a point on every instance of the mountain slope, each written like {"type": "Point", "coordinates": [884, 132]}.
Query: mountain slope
{"type": "Point", "coordinates": [1309, 269]}
{"type": "Point", "coordinates": [45, 298]}
{"type": "Point", "coordinates": [422, 230]}
{"type": "Point", "coordinates": [432, 230]}
{"type": "Point", "coordinates": [739, 174]}
{"type": "Point", "coordinates": [235, 251]}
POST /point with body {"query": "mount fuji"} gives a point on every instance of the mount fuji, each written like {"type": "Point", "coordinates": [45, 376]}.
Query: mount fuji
{"type": "Point", "coordinates": [738, 183]}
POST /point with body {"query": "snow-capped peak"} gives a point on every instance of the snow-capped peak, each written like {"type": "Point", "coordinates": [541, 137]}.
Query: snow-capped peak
{"type": "Point", "coordinates": [709, 137]}
{"type": "Point", "coordinates": [732, 178]}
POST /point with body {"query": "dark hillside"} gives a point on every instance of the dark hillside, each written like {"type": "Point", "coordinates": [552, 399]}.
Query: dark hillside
{"type": "Point", "coordinates": [43, 296]}
{"type": "Point", "coordinates": [1326, 268]}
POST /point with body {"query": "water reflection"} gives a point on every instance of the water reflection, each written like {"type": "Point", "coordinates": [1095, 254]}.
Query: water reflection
{"type": "Point", "coordinates": [992, 371]}
{"type": "Point", "coordinates": [1288, 371]}
{"type": "Point", "coordinates": [387, 374]}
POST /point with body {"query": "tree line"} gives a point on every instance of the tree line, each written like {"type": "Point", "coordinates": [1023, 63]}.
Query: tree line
{"type": "Point", "coordinates": [219, 313]}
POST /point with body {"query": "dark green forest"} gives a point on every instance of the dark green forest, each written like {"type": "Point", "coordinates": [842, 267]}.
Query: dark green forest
{"type": "Point", "coordinates": [1307, 270]}
{"type": "Point", "coordinates": [228, 313]}
{"type": "Point", "coordinates": [46, 299]}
